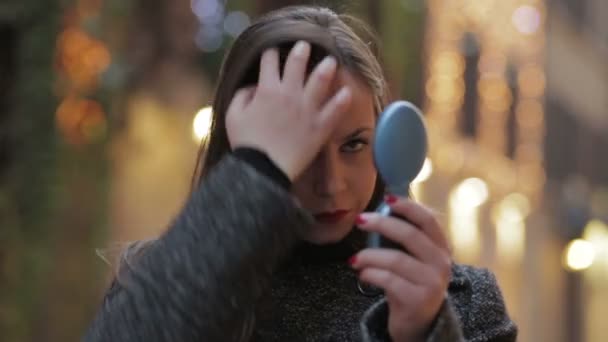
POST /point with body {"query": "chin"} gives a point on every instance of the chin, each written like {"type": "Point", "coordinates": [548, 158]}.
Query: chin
{"type": "Point", "coordinates": [321, 234]}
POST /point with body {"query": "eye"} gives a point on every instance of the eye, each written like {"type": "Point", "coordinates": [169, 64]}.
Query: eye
{"type": "Point", "coordinates": [354, 145]}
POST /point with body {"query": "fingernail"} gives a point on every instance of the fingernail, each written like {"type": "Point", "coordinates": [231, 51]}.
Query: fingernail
{"type": "Point", "coordinates": [390, 199]}
{"type": "Point", "coordinates": [361, 219]}
{"type": "Point", "coordinates": [300, 48]}
{"type": "Point", "coordinates": [352, 260]}
{"type": "Point", "coordinates": [327, 65]}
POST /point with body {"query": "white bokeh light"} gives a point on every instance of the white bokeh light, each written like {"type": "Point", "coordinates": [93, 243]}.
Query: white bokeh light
{"type": "Point", "coordinates": [526, 19]}
{"type": "Point", "coordinates": [235, 22]}
{"type": "Point", "coordinates": [202, 123]}
{"type": "Point", "coordinates": [208, 11]}
{"type": "Point", "coordinates": [209, 38]}
{"type": "Point", "coordinates": [579, 255]}
{"type": "Point", "coordinates": [472, 192]}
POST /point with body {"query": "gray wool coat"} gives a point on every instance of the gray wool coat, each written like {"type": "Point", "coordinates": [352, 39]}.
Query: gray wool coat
{"type": "Point", "coordinates": [230, 268]}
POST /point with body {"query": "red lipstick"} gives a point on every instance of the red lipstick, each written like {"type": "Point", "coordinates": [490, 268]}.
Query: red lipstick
{"type": "Point", "coordinates": [331, 216]}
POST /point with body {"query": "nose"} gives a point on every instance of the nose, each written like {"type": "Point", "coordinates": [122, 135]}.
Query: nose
{"type": "Point", "coordinates": [329, 178]}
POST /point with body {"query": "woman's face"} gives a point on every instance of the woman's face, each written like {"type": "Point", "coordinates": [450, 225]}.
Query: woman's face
{"type": "Point", "coordinates": [339, 183]}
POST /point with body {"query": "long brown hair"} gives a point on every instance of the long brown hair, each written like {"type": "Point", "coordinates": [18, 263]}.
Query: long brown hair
{"type": "Point", "coordinates": [346, 38]}
{"type": "Point", "coordinates": [342, 36]}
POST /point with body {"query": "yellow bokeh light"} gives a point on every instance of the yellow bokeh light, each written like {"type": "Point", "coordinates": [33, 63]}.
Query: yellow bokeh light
{"type": "Point", "coordinates": [448, 63]}
{"type": "Point", "coordinates": [531, 80]}
{"type": "Point", "coordinates": [514, 207]}
{"type": "Point", "coordinates": [492, 88]}
{"type": "Point", "coordinates": [202, 123]}
{"type": "Point", "coordinates": [464, 203]}
{"type": "Point", "coordinates": [445, 89]}
{"type": "Point", "coordinates": [510, 219]}
{"type": "Point", "coordinates": [492, 62]}
{"type": "Point", "coordinates": [464, 226]}
{"type": "Point", "coordinates": [519, 201]}
{"type": "Point", "coordinates": [472, 192]}
{"type": "Point", "coordinates": [596, 232]}
{"type": "Point", "coordinates": [579, 255]}
{"type": "Point", "coordinates": [510, 239]}
{"type": "Point", "coordinates": [530, 114]}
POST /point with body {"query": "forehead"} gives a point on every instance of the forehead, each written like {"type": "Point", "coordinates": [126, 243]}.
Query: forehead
{"type": "Point", "coordinates": [361, 110]}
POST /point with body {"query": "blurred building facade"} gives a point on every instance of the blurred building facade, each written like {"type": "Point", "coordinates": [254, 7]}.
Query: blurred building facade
{"type": "Point", "coordinates": [575, 146]}
{"type": "Point", "coordinates": [484, 90]}
{"type": "Point", "coordinates": [516, 98]}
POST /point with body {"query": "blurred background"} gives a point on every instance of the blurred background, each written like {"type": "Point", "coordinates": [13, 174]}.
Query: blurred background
{"type": "Point", "coordinates": [103, 103]}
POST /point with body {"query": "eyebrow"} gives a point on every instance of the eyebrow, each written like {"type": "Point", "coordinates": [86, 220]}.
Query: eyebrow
{"type": "Point", "coordinates": [357, 132]}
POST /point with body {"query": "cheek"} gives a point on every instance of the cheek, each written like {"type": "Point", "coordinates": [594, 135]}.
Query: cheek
{"type": "Point", "coordinates": [368, 185]}
{"type": "Point", "coordinates": [301, 188]}
{"type": "Point", "coordinates": [363, 181]}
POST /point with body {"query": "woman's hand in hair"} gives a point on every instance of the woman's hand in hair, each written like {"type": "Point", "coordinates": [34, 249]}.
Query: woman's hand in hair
{"type": "Point", "coordinates": [416, 282]}
{"type": "Point", "coordinates": [288, 118]}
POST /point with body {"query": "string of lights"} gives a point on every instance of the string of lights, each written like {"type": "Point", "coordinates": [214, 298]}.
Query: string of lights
{"type": "Point", "coordinates": [497, 37]}
{"type": "Point", "coordinates": [80, 61]}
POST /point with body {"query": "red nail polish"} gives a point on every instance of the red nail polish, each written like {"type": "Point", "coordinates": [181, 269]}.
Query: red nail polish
{"type": "Point", "coordinates": [390, 199]}
{"type": "Point", "coordinates": [352, 260]}
{"type": "Point", "coordinates": [360, 220]}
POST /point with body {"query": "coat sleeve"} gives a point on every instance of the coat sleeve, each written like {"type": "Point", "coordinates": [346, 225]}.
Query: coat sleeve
{"type": "Point", "coordinates": [474, 311]}
{"type": "Point", "coordinates": [482, 310]}
{"type": "Point", "coordinates": [201, 279]}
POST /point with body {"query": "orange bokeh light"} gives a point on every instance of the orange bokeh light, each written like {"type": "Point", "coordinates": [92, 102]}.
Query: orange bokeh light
{"type": "Point", "coordinates": [80, 120]}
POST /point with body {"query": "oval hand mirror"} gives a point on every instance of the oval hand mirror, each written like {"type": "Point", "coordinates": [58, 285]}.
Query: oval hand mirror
{"type": "Point", "coordinates": [400, 147]}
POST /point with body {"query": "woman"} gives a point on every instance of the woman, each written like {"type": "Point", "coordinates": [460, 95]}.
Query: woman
{"type": "Point", "coordinates": [260, 250]}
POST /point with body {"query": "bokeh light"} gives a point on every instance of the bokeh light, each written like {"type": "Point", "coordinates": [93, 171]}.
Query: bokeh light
{"type": "Point", "coordinates": [531, 81]}
{"type": "Point", "coordinates": [81, 120]}
{"type": "Point", "coordinates": [529, 114]}
{"type": "Point", "coordinates": [445, 89]}
{"type": "Point", "coordinates": [236, 22]}
{"type": "Point", "coordinates": [208, 11]}
{"type": "Point", "coordinates": [509, 216]}
{"type": "Point", "coordinates": [471, 192]}
{"type": "Point", "coordinates": [448, 63]}
{"type": "Point", "coordinates": [464, 203]}
{"type": "Point", "coordinates": [82, 57]}
{"type": "Point", "coordinates": [579, 255]}
{"type": "Point", "coordinates": [596, 232]}
{"type": "Point", "coordinates": [526, 19]}
{"type": "Point", "coordinates": [202, 123]}
{"type": "Point", "coordinates": [209, 38]}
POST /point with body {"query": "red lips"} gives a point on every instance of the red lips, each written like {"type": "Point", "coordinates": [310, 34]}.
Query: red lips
{"type": "Point", "coordinates": [331, 216]}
